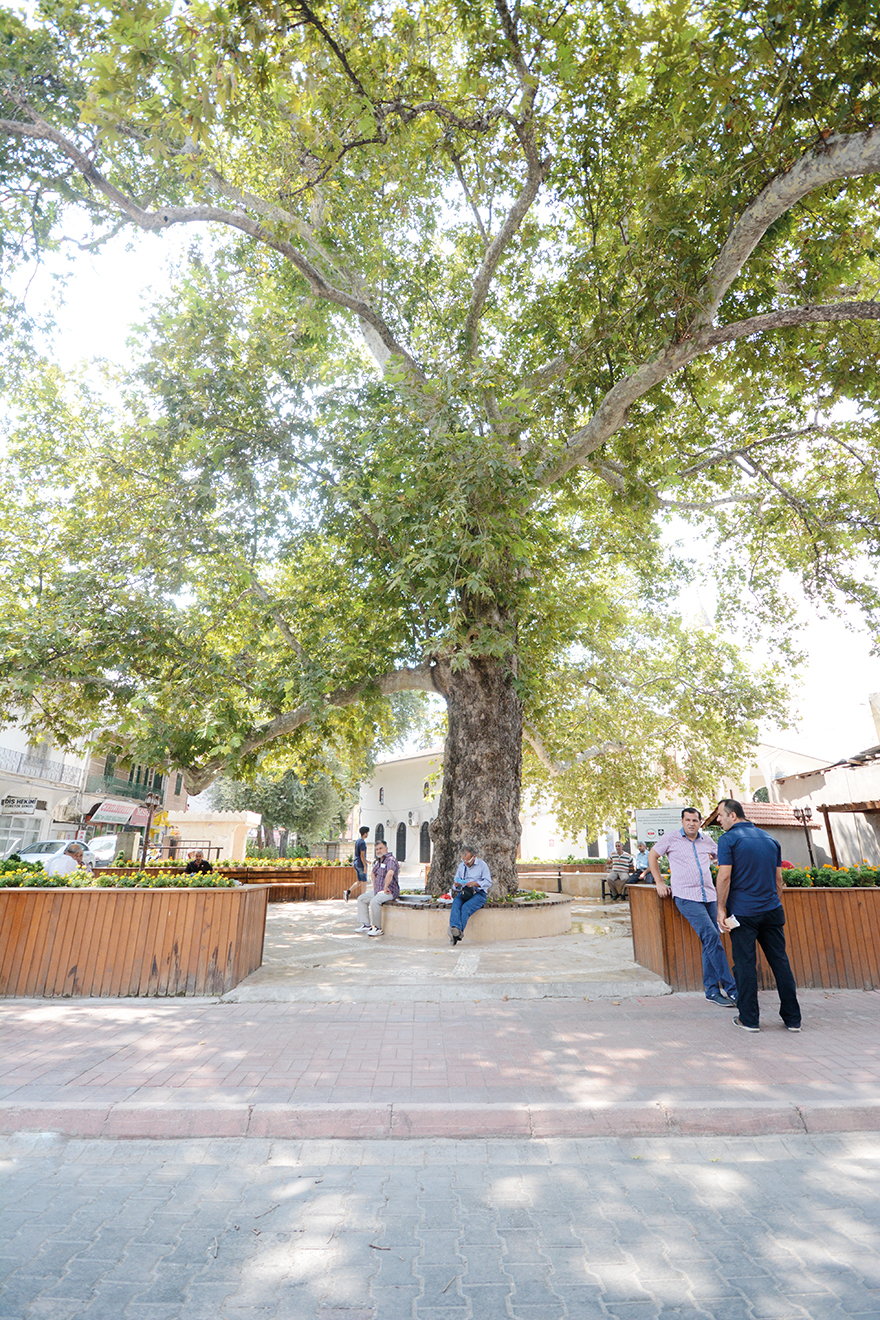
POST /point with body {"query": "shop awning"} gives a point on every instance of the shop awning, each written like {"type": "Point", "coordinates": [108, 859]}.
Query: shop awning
{"type": "Point", "coordinates": [111, 812]}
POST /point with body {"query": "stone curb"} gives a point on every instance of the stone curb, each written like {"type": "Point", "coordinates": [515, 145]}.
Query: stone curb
{"type": "Point", "coordinates": [442, 992]}
{"type": "Point", "coordinates": [458, 1121]}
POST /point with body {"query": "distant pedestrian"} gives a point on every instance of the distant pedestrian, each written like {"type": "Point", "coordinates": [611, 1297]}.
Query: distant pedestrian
{"type": "Point", "coordinates": [385, 889]}
{"type": "Point", "coordinates": [620, 871]}
{"type": "Point", "coordinates": [749, 884]}
{"type": "Point", "coordinates": [360, 863]}
{"type": "Point", "coordinates": [470, 889]}
{"type": "Point", "coordinates": [641, 864]}
{"type": "Point", "coordinates": [197, 865]}
{"type": "Point", "coordinates": [690, 853]}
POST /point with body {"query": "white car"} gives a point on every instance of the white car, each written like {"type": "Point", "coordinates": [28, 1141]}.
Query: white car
{"type": "Point", "coordinates": [104, 849]}
{"type": "Point", "coordinates": [49, 849]}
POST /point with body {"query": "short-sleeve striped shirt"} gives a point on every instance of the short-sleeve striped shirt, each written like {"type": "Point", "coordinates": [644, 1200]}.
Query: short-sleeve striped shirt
{"type": "Point", "coordinates": [689, 864]}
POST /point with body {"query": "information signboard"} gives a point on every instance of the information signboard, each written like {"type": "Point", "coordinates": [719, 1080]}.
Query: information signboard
{"type": "Point", "coordinates": [17, 806]}
{"type": "Point", "coordinates": [652, 824]}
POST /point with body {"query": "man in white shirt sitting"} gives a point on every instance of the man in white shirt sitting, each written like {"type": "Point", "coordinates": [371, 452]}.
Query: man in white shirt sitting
{"type": "Point", "coordinates": [66, 862]}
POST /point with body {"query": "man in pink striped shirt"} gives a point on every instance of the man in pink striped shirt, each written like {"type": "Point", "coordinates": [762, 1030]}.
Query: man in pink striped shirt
{"type": "Point", "coordinates": [690, 851]}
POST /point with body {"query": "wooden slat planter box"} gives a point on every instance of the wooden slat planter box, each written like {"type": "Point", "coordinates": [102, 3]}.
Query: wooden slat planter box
{"type": "Point", "coordinates": [117, 942]}
{"type": "Point", "coordinates": [832, 937]}
{"type": "Point", "coordinates": [328, 881]}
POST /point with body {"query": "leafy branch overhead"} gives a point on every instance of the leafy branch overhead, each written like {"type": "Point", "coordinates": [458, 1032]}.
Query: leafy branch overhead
{"type": "Point", "coordinates": [478, 298]}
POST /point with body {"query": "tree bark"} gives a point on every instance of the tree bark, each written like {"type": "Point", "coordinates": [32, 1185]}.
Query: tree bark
{"type": "Point", "coordinates": [482, 768]}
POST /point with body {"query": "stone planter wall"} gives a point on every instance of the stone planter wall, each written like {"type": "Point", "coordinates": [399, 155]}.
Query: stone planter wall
{"type": "Point", "coordinates": [527, 921]}
{"type": "Point", "coordinates": [832, 937]}
{"type": "Point", "coordinates": [117, 942]}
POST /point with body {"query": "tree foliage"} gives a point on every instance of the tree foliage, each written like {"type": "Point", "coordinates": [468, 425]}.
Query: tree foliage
{"type": "Point", "coordinates": [486, 296]}
{"type": "Point", "coordinates": [313, 810]}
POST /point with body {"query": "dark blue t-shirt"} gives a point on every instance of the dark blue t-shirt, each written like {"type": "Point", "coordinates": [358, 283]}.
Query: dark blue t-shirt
{"type": "Point", "coordinates": [754, 857]}
{"type": "Point", "coordinates": [360, 855]}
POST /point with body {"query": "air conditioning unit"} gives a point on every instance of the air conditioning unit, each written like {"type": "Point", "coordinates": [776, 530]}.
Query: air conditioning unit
{"type": "Point", "coordinates": [390, 822]}
{"type": "Point", "coordinates": [412, 817]}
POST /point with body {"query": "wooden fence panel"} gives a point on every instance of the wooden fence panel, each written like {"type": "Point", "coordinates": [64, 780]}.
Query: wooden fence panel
{"type": "Point", "coordinates": [832, 937]}
{"type": "Point", "coordinates": [85, 942]}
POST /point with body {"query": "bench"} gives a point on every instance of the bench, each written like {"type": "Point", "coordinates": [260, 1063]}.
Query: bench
{"type": "Point", "coordinates": [287, 891]}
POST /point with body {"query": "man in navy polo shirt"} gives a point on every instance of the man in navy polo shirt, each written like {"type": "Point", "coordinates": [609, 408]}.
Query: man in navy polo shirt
{"type": "Point", "coordinates": [749, 885]}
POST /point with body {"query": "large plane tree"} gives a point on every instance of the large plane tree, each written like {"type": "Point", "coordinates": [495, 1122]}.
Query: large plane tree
{"type": "Point", "coordinates": [487, 294]}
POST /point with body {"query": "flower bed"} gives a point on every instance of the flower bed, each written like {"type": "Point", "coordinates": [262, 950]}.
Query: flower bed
{"type": "Point", "coordinates": [27, 876]}
{"type": "Point", "coordinates": [863, 876]}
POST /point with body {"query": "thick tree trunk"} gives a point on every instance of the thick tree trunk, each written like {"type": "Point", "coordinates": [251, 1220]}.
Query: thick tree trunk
{"type": "Point", "coordinates": [482, 768]}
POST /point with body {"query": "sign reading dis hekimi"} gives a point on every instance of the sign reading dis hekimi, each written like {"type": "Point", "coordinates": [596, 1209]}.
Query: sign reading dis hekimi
{"type": "Point", "coordinates": [19, 806]}
{"type": "Point", "coordinates": [651, 825]}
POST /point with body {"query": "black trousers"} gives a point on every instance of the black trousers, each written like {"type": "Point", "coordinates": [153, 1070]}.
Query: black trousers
{"type": "Point", "coordinates": [767, 930]}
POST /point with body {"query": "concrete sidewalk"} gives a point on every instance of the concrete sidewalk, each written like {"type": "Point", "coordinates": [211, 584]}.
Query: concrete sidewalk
{"type": "Point", "coordinates": [395, 1055]}
{"type": "Point", "coordinates": [313, 954]}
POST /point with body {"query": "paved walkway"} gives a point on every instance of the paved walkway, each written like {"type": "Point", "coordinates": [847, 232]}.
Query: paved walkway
{"type": "Point", "coordinates": [313, 954]}
{"type": "Point", "coordinates": [635, 1229]}
{"type": "Point", "coordinates": [388, 1057]}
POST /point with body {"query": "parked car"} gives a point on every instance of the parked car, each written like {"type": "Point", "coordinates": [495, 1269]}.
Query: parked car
{"type": "Point", "coordinates": [49, 848]}
{"type": "Point", "coordinates": [105, 849]}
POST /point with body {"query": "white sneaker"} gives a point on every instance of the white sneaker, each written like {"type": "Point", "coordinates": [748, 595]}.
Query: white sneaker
{"type": "Point", "coordinates": [375, 930]}
{"type": "Point", "coordinates": [363, 930]}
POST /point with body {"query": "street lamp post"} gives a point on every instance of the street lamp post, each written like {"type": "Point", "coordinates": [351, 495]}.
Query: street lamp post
{"type": "Point", "coordinates": [804, 815]}
{"type": "Point", "coordinates": [151, 802]}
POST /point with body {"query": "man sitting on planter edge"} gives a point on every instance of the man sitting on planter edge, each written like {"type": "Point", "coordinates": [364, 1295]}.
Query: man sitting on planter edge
{"type": "Point", "coordinates": [470, 890]}
{"type": "Point", "coordinates": [690, 851]}
{"type": "Point", "coordinates": [385, 889]}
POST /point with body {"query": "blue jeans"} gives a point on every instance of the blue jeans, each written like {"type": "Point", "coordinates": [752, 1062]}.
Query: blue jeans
{"type": "Point", "coordinates": [462, 909]}
{"type": "Point", "coordinates": [768, 930]}
{"type": "Point", "coordinates": [704, 919]}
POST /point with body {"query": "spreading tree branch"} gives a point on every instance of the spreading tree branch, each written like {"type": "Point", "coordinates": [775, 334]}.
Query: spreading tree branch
{"type": "Point", "coordinates": [556, 768]}
{"type": "Point", "coordinates": [537, 170]}
{"type": "Point", "coordinates": [841, 156]}
{"type": "Point", "coordinates": [156, 221]}
{"type": "Point", "coordinates": [419, 678]}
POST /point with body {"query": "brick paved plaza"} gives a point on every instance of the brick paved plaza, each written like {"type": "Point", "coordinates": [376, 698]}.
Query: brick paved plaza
{"type": "Point", "coordinates": [570, 1141]}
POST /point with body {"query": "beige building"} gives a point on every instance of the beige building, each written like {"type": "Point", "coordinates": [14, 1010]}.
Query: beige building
{"type": "Point", "coordinates": [844, 799]}
{"type": "Point", "coordinates": [220, 835]}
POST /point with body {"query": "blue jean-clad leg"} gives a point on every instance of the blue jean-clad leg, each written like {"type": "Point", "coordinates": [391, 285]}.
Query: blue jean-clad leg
{"type": "Point", "coordinates": [704, 919]}
{"type": "Point", "coordinates": [461, 910]}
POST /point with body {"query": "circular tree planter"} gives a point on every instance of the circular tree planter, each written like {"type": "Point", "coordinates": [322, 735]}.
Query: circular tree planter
{"type": "Point", "coordinates": [428, 923]}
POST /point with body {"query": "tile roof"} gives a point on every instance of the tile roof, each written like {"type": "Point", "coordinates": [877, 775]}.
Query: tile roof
{"type": "Point", "coordinates": [774, 813]}
{"type": "Point", "coordinates": [769, 813]}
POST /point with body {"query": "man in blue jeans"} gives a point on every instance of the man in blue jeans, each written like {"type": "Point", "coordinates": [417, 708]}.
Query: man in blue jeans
{"type": "Point", "coordinates": [470, 889]}
{"type": "Point", "coordinates": [750, 907]}
{"type": "Point", "coordinates": [690, 852]}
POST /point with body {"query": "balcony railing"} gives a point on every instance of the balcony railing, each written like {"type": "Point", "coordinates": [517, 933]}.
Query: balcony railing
{"type": "Point", "coordinates": [33, 767]}
{"type": "Point", "coordinates": [113, 788]}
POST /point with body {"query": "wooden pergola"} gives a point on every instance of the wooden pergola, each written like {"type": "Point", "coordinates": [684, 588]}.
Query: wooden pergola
{"type": "Point", "coordinates": [853, 809]}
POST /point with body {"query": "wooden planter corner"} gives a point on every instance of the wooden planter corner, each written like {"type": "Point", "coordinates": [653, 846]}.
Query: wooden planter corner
{"type": "Point", "coordinates": [118, 942]}
{"type": "Point", "coordinates": [832, 937]}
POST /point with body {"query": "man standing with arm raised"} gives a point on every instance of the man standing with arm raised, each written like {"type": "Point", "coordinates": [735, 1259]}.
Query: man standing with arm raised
{"type": "Point", "coordinates": [690, 851]}
{"type": "Point", "coordinates": [750, 890]}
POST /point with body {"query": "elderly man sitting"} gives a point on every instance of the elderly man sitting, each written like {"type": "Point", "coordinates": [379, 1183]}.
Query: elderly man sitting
{"type": "Point", "coordinates": [470, 890]}
{"type": "Point", "coordinates": [66, 862]}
